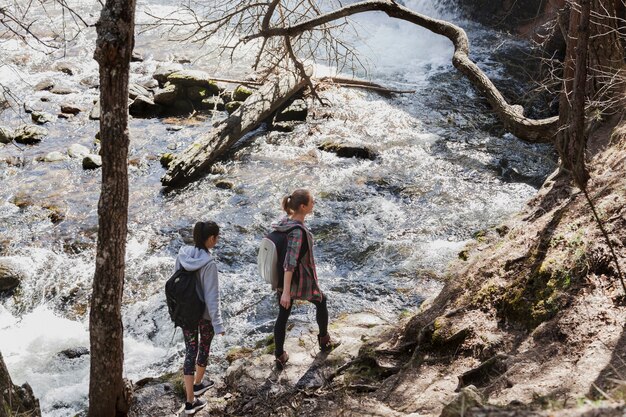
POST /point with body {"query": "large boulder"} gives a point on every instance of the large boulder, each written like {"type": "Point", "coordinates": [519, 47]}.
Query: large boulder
{"type": "Point", "coordinates": [11, 274]}
{"type": "Point", "coordinates": [189, 78]}
{"type": "Point", "coordinates": [29, 134]}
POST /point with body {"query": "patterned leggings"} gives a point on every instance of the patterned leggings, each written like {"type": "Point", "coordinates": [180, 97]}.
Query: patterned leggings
{"type": "Point", "coordinates": [195, 354]}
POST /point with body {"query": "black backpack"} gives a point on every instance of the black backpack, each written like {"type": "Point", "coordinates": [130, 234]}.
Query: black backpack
{"type": "Point", "coordinates": [183, 303]}
{"type": "Point", "coordinates": [271, 256]}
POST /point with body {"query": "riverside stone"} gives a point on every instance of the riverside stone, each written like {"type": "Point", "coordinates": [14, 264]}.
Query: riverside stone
{"type": "Point", "coordinates": [62, 90]}
{"type": "Point", "coordinates": [29, 134]}
{"type": "Point", "coordinates": [6, 135]}
{"type": "Point", "coordinates": [77, 151]}
{"type": "Point", "coordinates": [92, 162]}
{"type": "Point", "coordinates": [136, 57]}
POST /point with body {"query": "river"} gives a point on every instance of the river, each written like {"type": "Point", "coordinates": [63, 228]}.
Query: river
{"type": "Point", "coordinates": [385, 229]}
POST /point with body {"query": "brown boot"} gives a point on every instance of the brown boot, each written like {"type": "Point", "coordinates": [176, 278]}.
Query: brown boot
{"type": "Point", "coordinates": [327, 344]}
{"type": "Point", "coordinates": [282, 360]}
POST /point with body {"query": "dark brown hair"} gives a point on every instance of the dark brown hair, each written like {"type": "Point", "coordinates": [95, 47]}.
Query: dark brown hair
{"type": "Point", "coordinates": [202, 231]}
{"type": "Point", "coordinates": [292, 202]}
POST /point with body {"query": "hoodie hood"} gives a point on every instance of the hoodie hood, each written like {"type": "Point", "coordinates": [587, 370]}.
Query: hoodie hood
{"type": "Point", "coordinates": [285, 224]}
{"type": "Point", "coordinates": [192, 258]}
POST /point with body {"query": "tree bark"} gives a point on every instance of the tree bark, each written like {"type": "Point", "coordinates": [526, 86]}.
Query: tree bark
{"type": "Point", "coordinates": [512, 116]}
{"type": "Point", "coordinates": [194, 161]}
{"type": "Point", "coordinates": [107, 394]}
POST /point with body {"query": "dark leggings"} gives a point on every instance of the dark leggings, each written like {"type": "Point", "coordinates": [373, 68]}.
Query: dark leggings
{"type": "Point", "coordinates": [280, 327]}
{"type": "Point", "coordinates": [195, 354]}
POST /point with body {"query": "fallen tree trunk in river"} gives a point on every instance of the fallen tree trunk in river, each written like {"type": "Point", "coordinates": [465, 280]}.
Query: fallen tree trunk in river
{"type": "Point", "coordinates": [194, 161]}
{"type": "Point", "coordinates": [512, 116]}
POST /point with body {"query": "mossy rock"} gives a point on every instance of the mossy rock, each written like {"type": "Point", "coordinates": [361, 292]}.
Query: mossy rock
{"type": "Point", "coordinates": [241, 93]}
{"type": "Point", "coordinates": [189, 78]}
{"type": "Point", "coordinates": [231, 106]}
{"type": "Point", "coordinates": [92, 162]}
{"type": "Point", "coordinates": [166, 159]}
{"type": "Point", "coordinates": [167, 95]}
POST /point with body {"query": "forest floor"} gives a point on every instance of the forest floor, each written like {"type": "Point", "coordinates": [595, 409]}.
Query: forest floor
{"type": "Point", "coordinates": [530, 322]}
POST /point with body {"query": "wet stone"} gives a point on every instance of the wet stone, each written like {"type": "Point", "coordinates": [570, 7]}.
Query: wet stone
{"type": "Point", "coordinates": [92, 162]}
{"type": "Point", "coordinates": [136, 57]}
{"type": "Point", "coordinates": [166, 95]}
{"type": "Point", "coordinates": [55, 156]}
{"type": "Point", "coordinates": [78, 151]}
{"type": "Point", "coordinates": [41, 117]}
{"type": "Point", "coordinates": [44, 85]}
{"type": "Point", "coordinates": [95, 111]}
{"type": "Point", "coordinates": [62, 90]}
{"type": "Point", "coordinates": [66, 68]}
{"type": "Point", "coordinates": [29, 134]}
{"type": "Point", "coordinates": [73, 353]}
{"type": "Point", "coordinates": [143, 106]}
{"type": "Point", "coordinates": [135, 90]}
{"type": "Point", "coordinates": [70, 109]}
{"type": "Point", "coordinates": [348, 151]}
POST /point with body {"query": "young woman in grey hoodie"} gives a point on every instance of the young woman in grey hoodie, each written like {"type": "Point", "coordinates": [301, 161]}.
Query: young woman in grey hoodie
{"type": "Point", "coordinates": [198, 341]}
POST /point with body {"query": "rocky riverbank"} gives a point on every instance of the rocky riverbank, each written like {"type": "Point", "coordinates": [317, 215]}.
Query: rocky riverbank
{"type": "Point", "coordinates": [529, 323]}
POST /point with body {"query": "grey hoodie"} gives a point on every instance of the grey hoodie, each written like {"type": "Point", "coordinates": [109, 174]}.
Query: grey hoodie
{"type": "Point", "coordinates": [208, 288]}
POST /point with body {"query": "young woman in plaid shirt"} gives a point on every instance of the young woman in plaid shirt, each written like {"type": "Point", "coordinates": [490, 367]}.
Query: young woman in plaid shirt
{"type": "Point", "coordinates": [300, 278]}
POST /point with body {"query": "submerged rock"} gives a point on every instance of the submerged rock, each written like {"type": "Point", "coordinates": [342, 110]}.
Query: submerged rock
{"type": "Point", "coordinates": [29, 134]}
{"type": "Point", "coordinates": [348, 151]}
{"type": "Point", "coordinates": [73, 353]}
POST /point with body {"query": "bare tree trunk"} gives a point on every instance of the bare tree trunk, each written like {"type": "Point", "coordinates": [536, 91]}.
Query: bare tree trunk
{"type": "Point", "coordinates": [107, 394]}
